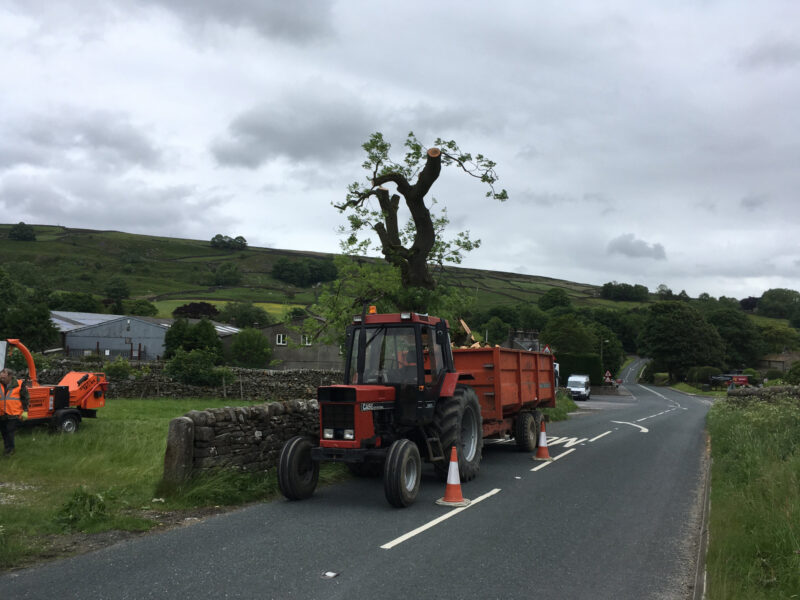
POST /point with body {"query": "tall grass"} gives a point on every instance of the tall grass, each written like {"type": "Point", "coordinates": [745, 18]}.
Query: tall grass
{"type": "Point", "coordinates": [102, 477]}
{"type": "Point", "coordinates": [754, 546]}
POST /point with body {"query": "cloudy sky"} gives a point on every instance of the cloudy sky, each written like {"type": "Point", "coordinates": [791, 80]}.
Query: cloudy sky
{"type": "Point", "coordinates": [639, 142]}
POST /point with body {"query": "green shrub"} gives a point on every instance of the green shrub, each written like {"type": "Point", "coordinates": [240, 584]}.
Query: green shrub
{"type": "Point", "coordinates": [195, 368]}
{"type": "Point", "coordinates": [648, 372]}
{"type": "Point", "coordinates": [702, 374]}
{"type": "Point", "coordinates": [774, 374]}
{"type": "Point", "coordinates": [81, 510]}
{"type": "Point", "coordinates": [792, 376]}
{"type": "Point", "coordinates": [120, 368]}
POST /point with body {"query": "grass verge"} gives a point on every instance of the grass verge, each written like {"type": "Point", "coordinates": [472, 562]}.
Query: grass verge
{"type": "Point", "coordinates": [564, 406]}
{"type": "Point", "coordinates": [105, 478]}
{"type": "Point", "coordinates": [690, 389]}
{"type": "Point", "coordinates": [754, 546]}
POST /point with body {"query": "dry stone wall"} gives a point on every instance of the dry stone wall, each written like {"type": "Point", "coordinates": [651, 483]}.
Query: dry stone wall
{"type": "Point", "coordinates": [149, 381]}
{"type": "Point", "coordinates": [245, 438]}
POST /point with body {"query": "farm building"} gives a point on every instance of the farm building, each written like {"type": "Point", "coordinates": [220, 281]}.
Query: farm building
{"type": "Point", "coordinates": [136, 338]}
{"type": "Point", "coordinates": [293, 350]}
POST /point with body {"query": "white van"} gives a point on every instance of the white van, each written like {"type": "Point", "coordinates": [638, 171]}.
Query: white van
{"type": "Point", "coordinates": [579, 387]}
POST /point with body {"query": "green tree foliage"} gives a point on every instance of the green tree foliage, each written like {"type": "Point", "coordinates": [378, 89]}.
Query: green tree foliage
{"type": "Point", "coordinates": [251, 349]}
{"type": "Point", "coordinates": [22, 233]}
{"type": "Point", "coordinates": [495, 331]}
{"type": "Point", "coordinates": [225, 242]}
{"type": "Point", "coordinates": [174, 339]}
{"type": "Point", "coordinates": [792, 376]}
{"type": "Point", "coordinates": [140, 307]}
{"type": "Point", "coordinates": [702, 375]}
{"type": "Point", "coordinates": [414, 245]}
{"type": "Point", "coordinates": [244, 314]}
{"type": "Point", "coordinates": [664, 293]}
{"type": "Point", "coordinates": [74, 302]}
{"type": "Point", "coordinates": [182, 335]}
{"type": "Point", "coordinates": [608, 347]}
{"type": "Point", "coordinates": [677, 337]}
{"type": "Point", "coordinates": [195, 367]}
{"type": "Point", "coordinates": [226, 274]}
{"type": "Point", "coordinates": [743, 343]}
{"type": "Point", "coordinates": [554, 297]}
{"type": "Point", "coordinates": [31, 324]}
{"type": "Point", "coordinates": [624, 291]}
{"type": "Point", "coordinates": [116, 290]}
{"type": "Point", "coordinates": [568, 333]}
{"type": "Point", "coordinates": [779, 338]}
{"type": "Point", "coordinates": [196, 310]}
{"type": "Point", "coordinates": [304, 272]}
{"type": "Point", "coordinates": [779, 303]}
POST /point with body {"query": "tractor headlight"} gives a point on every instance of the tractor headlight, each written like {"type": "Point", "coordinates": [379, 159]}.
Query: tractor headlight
{"type": "Point", "coordinates": [327, 434]}
{"type": "Point", "coordinates": [349, 434]}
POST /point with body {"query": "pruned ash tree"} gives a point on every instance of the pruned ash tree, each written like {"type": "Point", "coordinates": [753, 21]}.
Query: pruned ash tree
{"type": "Point", "coordinates": [414, 244]}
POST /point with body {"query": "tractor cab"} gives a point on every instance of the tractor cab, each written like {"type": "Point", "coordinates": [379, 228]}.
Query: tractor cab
{"type": "Point", "coordinates": [405, 351]}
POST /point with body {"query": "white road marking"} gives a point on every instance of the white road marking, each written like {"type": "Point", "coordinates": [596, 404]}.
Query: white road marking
{"type": "Point", "coordinates": [568, 442]}
{"type": "Point", "coordinates": [594, 439]}
{"type": "Point", "coordinates": [436, 521]}
{"type": "Point", "coordinates": [644, 429]}
{"type": "Point", "coordinates": [654, 392]}
{"type": "Point", "coordinates": [555, 458]}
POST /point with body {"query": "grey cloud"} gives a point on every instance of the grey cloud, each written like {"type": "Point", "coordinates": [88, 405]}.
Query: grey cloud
{"type": "Point", "coordinates": [101, 140]}
{"type": "Point", "coordinates": [302, 127]}
{"type": "Point", "coordinates": [772, 53]}
{"type": "Point", "coordinates": [95, 202]}
{"type": "Point", "coordinates": [298, 20]}
{"type": "Point", "coordinates": [753, 202]}
{"type": "Point", "coordinates": [628, 245]}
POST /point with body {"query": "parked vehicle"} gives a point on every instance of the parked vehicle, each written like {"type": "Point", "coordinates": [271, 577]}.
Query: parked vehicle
{"type": "Point", "coordinates": [408, 397]}
{"type": "Point", "coordinates": [579, 386]}
{"type": "Point", "coordinates": [63, 406]}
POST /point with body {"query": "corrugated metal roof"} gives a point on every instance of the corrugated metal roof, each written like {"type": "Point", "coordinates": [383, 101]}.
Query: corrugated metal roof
{"type": "Point", "coordinates": [67, 320]}
{"type": "Point", "coordinates": [70, 321]}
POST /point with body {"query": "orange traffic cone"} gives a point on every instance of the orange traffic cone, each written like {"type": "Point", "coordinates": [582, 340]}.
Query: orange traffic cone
{"type": "Point", "coordinates": [452, 493]}
{"type": "Point", "coordinates": [541, 451]}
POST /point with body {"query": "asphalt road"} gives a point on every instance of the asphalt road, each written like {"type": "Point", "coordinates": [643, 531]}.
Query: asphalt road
{"type": "Point", "coordinates": [616, 515]}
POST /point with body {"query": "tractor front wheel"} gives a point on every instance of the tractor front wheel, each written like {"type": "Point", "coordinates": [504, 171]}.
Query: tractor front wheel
{"type": "Point", "coordinates": [401, 474]}
{"type": "Point", "coordinates": [297, 473]}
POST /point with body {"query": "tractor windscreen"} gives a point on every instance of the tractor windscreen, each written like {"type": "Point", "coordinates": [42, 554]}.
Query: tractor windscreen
{"type": "Point", "coordinates": [390, 357]}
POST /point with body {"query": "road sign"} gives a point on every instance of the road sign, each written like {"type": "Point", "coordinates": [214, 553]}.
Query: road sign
{"type": "Point", "coordinates": [547, 349]}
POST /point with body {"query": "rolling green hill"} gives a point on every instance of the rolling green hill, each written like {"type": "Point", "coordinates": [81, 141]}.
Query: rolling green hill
{"type": "Point", "coordinates": [173, 271]}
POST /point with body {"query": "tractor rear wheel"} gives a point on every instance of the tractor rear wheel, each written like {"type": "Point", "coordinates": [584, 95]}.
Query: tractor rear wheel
{"type": "Point", "coordinates": [297, 473]}
{"type": "Point", "coordinates": [458, 422]}
{"type": "Point", "coordinates": [401, 474]}
{"type": "Point", "coordinates": [526, 430]}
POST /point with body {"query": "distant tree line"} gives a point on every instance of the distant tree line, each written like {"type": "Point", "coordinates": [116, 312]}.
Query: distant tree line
{"type": "Point", "coordinates": [304, 272]}
{"type": "Point", "coordinates": [624, 291]}
{"type": "Point", "coordinates": [225, 242]}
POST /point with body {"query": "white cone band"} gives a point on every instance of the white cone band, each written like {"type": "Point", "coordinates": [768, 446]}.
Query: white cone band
{"type": "Point", "coordinates": [452, 474]}
{"type": "Point", "coordinates": [542, 439]}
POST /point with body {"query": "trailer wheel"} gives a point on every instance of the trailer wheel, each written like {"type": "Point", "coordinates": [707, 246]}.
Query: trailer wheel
{"type": "Point", "coordinates": [526, 431]}
{"type": "Point", "coordinates": [458, 422]}
{"type": "Point", "coordinates": [402, 472]}
{"type": "Point", "coordinates": [297, 473]}
{"type": "Point", "coordinates": [68, 423]}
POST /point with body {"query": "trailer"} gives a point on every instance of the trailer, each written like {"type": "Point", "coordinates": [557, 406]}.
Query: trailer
{"type": "Point", "coordinates": [408, 397]}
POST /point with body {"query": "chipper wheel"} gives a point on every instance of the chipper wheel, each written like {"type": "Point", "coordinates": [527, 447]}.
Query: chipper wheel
{"type": "Point", "coordinates": [458, 422]}
{"type": "Point", "coordinates": [526, 432]}
{"type": "Point", "coordinates": [297, 473]}
{"type": "Point", "coordinates": [402, 473]}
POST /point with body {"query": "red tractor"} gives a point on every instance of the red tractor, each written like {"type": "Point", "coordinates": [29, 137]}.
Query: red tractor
{"type": "Point", "coordinates": [408, 396]}
{"type": "Point", "coordinates": [63, 406]}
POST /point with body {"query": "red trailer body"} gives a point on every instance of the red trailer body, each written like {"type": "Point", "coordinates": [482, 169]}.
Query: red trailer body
{"type": "Point", "coordinates": [506, 381]}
